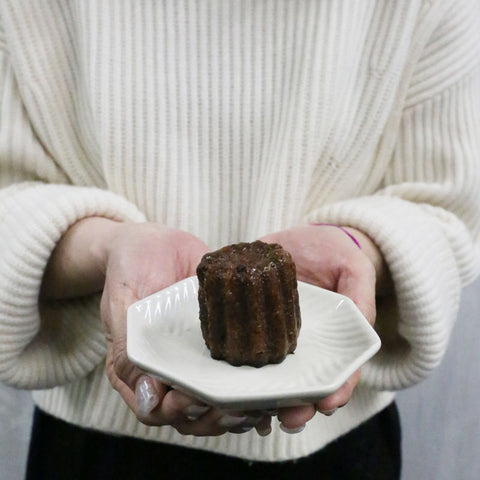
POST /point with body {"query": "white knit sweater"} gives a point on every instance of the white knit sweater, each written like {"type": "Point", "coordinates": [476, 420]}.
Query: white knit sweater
{"type": "Point", "coordinates": [231, 119]}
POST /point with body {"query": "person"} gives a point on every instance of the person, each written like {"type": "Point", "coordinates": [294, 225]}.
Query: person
{"type": "Point", "coordinates": [136, 136]}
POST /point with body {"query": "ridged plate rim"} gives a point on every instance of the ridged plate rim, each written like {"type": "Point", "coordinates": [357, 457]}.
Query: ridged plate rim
{"type": "Point", "coordinates": [165, 340]}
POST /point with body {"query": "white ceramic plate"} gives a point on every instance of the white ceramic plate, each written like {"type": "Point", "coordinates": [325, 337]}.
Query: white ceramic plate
{"type": "Point", "coordinates": [164, 338]}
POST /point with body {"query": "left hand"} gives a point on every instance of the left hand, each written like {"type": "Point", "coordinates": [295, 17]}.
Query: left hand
{"type": "Point", "coordinates": [325, 256]}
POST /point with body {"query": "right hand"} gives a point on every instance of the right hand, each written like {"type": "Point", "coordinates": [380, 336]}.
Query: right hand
{"type": "Point", "coordinates": [134, 261]}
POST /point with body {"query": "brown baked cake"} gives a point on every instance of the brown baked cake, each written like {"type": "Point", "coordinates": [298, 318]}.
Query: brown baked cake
{"type": "Point", "coordinates": [248, 298]}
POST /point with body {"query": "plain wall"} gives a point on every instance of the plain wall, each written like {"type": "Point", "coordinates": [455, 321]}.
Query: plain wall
{"type": "Point", "coordinates": [441, 416]}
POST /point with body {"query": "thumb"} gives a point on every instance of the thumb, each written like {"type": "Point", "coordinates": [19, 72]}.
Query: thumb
{"type": "Point", "coordinates": [140, 392]}
{"type": "Point", "coordinates": [357, 282]}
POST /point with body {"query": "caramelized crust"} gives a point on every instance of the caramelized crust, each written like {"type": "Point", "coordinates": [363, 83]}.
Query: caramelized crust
{"type": "Point", "coordinates": [248, 298]}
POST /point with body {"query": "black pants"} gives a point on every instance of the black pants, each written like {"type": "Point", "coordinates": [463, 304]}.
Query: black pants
{"type": "Point", "coordinates": [59, 450]}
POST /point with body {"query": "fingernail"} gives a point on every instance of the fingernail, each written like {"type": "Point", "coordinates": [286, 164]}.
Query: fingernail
{"type": "Point", "coordinates": [146, 396]}
{"type": "Point", "coordinates": [193, 412]}
{"type": "Point", "coordinates": [263, 432]}
{"type": "Point", "coordinates": [247, 428]}
{"type": "Point", "coordinates": [329, 413]}
{"type": "Point", "coordinates": [229, 421]}
{"type": "Point", "coordinates": [291, 430]}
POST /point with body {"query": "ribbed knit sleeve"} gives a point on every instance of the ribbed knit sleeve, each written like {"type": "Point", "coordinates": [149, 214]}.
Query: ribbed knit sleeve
{"type": "Point", "coordinates": [37, 205]}
{"type": "Point", "coordinates": [425, 217]}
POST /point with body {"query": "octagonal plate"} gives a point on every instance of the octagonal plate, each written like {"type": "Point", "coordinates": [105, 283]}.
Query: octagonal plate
{"type": "Point", "coordinates": [164, 339]}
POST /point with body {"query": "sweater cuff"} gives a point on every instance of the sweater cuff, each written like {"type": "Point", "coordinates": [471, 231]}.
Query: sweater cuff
{"type": "Point", "coordinates": [414, 323]}
{"type": "Point", "coordinates": [55, 343]}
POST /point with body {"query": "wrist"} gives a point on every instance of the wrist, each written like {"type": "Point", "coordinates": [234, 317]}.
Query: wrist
{"type": "Point", "coordinates": [78, 262]}
{"type": "Point", "coordinates": [374, 254]}
{"type": "Point", "coordinates": [101, 233]}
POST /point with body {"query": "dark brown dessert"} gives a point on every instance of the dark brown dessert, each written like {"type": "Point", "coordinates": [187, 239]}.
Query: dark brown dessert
{"type": "Point", "coordinates": [248, 298]}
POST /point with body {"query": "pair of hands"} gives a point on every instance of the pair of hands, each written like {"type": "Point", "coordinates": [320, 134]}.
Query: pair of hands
{"type": "Point", "coordinates": [132, 261]}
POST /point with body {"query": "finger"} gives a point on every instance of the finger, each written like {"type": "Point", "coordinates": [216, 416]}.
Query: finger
{"type": "Point", "coordinates": [264, 427]}
{"type": "Point", "coordinates": [186, 414]}
{"type": "Point", "coordinates": [123, 374]}
{"type": "Point", "coordinates": [217, 422]}
{"type": "Point", "coordinates": [141, 396]}
{"type": "Point", "coordinates": [118, 384]}
{"type": "Point", "coordinates": [261, 421]}
{"type": "Point", "coordinates": [329, 404]}
{"type": "Point", "coordinates": [116, 299]}
{"type": "Point", "coordinates": [257, 419]}
{"type": "Point", "coordinates": [293, 419]}
{"type": "Point", "coordinates": [213, 423]}
{"type": "Point", "coordinates": [144, 398]}
{"type": "Point", "coordinates": [178, 407]}
{"type": "Point", "coordinates": [147, 396]}
{"type": "Point", "coordinates": [357, 282]}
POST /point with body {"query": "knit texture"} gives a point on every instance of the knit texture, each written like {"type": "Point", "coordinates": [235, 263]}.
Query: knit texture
{"type": "Point", "coordinates": [230, 120]}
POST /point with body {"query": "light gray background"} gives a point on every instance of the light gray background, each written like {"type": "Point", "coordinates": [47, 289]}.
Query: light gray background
{"type": "Point", "coordinates": [440, 417]}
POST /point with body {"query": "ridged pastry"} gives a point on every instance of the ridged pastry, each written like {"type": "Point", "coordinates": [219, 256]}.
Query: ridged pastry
{"type": "Point", "coordinates": [248, 299]}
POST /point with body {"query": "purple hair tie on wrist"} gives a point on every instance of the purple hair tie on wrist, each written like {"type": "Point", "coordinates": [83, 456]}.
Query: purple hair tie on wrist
{"type": "Point", "coordinates": [355, 241]}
